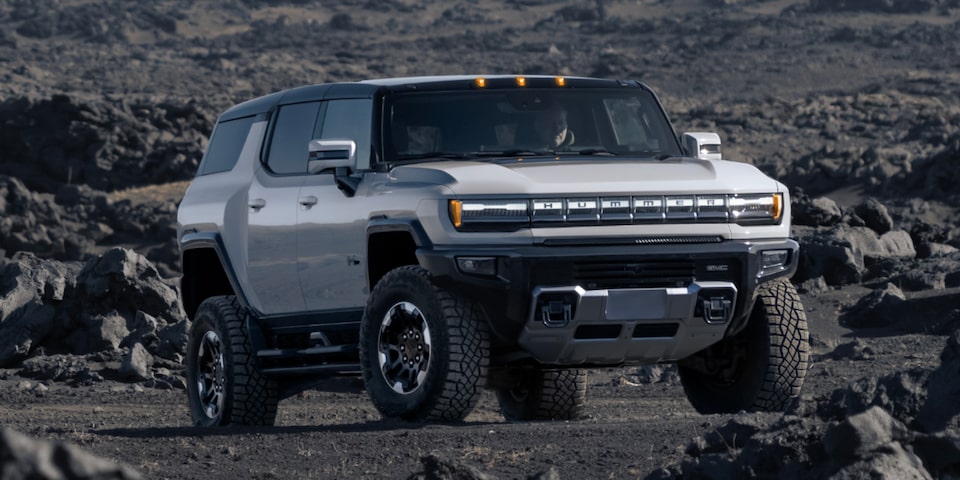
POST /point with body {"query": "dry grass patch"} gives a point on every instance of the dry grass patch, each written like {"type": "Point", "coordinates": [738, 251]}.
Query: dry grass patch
{"type": "Point", "coordinates": [152, 193]}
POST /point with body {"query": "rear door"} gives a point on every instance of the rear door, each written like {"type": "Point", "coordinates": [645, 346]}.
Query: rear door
{"type": "Point", "coordinates": [330, 225]}
{"type": "Point", "coordinates": [273, 206]}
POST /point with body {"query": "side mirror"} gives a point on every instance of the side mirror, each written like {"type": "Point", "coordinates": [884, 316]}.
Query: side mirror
{"type": "Point", "coordinates": [331, 153]}
{"type": "Point", "coordinates": [702, 145]}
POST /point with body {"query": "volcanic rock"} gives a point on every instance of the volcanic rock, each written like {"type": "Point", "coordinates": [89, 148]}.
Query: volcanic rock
{"type": "Point", "coordinates": [659, 373]}
{"type": "Point", "coordinates": [106, 145]}
{"type": "Point", "coordinates": [841, 254]}
{"type": "Point", "coordinates": [942, 410]}
{"type": "Point", "coordinates": [437, 468]}
{"type": "Point", "coordinates": [816, 212]}
{"type": "Point", "coordinates": [902, 394]}
{"type": "Point", "coordinates": [875, 216]}
{"type": "Point", "coordinates": [113, 301]}
{"type": "Point", "coordinates": [877, 6]}
{"type": "Point", "coordinates": [59, 368]}
{"type": "Point", "coordinates": [863, 433]}
{"type": "Point", "coordinates": [136, 364]}
{"type": "Point", "coordinates": [877, 309]}
{"type": "Point", "coordinates": [31, 291]}
{"type": "Point", "coordinates": [24, 457]}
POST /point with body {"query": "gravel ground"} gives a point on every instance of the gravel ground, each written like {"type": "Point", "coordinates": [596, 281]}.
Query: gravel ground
{"type": "Point", "coordinates": [630, 429]}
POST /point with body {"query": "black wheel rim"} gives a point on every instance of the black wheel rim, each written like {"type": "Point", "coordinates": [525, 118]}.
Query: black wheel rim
{"type": "Point", "coordinates": [210, 375]}
{"type": "Point", "coordinates": [404, 348]}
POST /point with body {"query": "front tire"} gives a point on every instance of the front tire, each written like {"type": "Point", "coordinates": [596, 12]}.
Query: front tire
{"type": "Point", "coordinates": [761, 368]}
{"type": "Point", "coordinates": [423, 351]}
{"type": "Point", "coordinates": [224, 382]}
{"type": "Point", "coordinates": [545, 394]}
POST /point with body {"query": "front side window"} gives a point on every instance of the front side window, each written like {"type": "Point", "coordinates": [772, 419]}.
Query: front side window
{"type": "Point", "coordinates": [476, 124]}
{"type": "Point", "coordinates": [350, 119]}
{"type": "Point", "coordinates": [290, 143]}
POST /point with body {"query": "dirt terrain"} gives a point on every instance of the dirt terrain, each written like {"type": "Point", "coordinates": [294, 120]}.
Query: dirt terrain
{"type": "Point", "coordinates": [105, 109]}
{"type": "Point", "coordinates": [630, 430]}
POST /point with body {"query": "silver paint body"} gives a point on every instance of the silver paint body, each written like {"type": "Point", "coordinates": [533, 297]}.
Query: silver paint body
{"type": "Point", "coordinates": [298, 244]}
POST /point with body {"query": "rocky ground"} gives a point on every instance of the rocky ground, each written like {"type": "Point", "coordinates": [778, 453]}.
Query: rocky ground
{"type": "Point", "coordinates": [105, 109]}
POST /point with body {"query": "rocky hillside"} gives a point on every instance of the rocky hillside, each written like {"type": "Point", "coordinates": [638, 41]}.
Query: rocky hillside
{"type": "Point", "coordinates": [854, 104]}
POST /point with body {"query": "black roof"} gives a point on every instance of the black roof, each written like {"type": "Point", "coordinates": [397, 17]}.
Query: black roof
{"type": "Point", "coordinates": [368, 88]}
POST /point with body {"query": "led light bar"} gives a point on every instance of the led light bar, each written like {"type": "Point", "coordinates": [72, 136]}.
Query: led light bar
{"type": "Point", "coordinates": [513, 214]}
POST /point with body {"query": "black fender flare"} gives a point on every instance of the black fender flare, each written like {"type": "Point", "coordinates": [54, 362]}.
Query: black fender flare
{"type": "Point", "coordinates": [211, 241]}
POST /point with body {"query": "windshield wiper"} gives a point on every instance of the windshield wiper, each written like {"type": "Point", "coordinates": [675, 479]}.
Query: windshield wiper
{"type": "Point", "coordinates": [594, 151]}
{"type": "Point", "coordinates": [517, 152]}
{"type": "Point", "coordinates": [428, 155]}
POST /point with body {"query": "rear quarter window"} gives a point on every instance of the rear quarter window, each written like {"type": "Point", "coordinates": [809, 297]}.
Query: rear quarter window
{"type": "Point", "coordinates": [225, 146]}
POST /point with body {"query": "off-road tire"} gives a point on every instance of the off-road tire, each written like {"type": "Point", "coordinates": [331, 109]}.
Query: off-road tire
{"type": "Point", "coordinates": [455, 367]}
{"type": "Point", "coordinates": [545, 395]}
{"type": "Point", "coordinates": [770, 358]}
{"type": "Point", "coordinates": [219, 334]}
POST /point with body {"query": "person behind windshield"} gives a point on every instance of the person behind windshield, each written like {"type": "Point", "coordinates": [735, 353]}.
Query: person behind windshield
{"type": "Point", "coordinates": [551, 127]}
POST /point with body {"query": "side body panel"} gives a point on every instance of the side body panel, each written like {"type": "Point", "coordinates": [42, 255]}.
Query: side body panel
{"type": "Point", "coordinates": [271, 253]}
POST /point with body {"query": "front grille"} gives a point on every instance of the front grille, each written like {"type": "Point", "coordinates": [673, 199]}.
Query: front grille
{"type": "Point", "coordinates": [601, 275]}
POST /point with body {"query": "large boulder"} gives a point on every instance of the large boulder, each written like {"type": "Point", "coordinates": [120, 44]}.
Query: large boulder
{"type": "Point", "coordinates": [120, 295]}
{"type": "Point", "coordinates": [815, 212]}
{"type": "Point", "coordinates": [842, 254]}
{"type": "Point", "coordinates": [125, 281]}
{"type": "Point", "coordinates": [867, 444]}
{"type": "Point", "coordinates": [879, 308]}
{"type": "Point", "coordinates": [871, 444]}
{"type": "Point", "coordinates": [875, 215]}
{"type": "Point", "coordinates": [113, 302]}
{"type": "Point", "coordinates": [901, 394]}
{"type": "Point", "coordinates": [31, 291]}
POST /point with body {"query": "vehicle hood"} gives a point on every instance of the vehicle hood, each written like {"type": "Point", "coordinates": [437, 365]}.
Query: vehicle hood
{"type": "Point", "coordinates": [592, 176]}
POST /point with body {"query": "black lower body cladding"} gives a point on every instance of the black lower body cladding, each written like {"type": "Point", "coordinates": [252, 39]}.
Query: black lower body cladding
{"type": "Point", "coordinates": [508, 295]}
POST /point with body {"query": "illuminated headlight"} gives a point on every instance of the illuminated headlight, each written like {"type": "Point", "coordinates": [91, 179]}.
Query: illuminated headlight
{"type": "Point", "coordinates": [489, 214]}
{"type": "Point", "coordinates": [765, 209]}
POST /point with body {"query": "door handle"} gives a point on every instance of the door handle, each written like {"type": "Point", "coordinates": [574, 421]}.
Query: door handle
{"type": "Point", "coordinates": [257, 203]}
{"type": "Point", "coordinates": [308, 201]}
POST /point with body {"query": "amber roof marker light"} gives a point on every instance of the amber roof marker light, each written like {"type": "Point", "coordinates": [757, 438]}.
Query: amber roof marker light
{"type": "Point", "coordinates": [480, 82]}
{"type": "Point", "coordinates": [561, 82]}
{"type": "Point", "coordinates": [521, 81]}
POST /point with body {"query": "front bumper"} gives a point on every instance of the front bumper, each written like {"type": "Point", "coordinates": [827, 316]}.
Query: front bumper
{"type": "Point", "coordinates": [644, 325]}
{"type": "Point", "coordinates": [611, 304]}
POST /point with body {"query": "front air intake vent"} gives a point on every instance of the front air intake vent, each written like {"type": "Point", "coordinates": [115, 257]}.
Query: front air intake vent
{"type": "Point", "coordinates": [659, 240]}
{"type": "Point", "coordinates": [675, 240]}
{"type": "Point", "coordinates": [600, 275]}
{"type": "Point", "coordinates": [655, 330]}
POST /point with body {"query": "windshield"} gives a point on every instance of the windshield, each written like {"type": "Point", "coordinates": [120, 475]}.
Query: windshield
{"type": "Point", "coordinates": [476, 124]}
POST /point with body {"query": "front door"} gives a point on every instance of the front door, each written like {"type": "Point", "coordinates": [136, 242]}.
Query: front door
{"type": "Point", "coordinates": [331, 226]}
